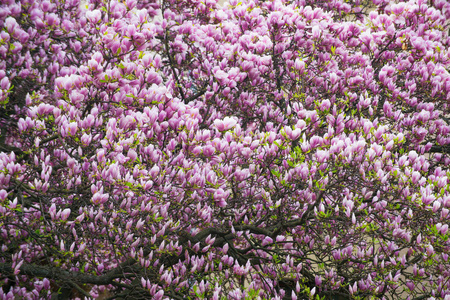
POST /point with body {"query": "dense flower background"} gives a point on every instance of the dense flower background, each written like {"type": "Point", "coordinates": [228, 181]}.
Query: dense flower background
{"type": "Point", "coordinates": [184, 149]}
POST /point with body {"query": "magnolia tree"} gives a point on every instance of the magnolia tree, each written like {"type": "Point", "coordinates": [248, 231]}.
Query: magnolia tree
{"type": "Point", "coordinates": [255, 150]}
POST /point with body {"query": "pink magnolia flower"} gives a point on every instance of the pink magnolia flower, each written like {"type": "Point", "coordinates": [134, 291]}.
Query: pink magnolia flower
{"type": "Point", "coordinates": [4, 83]}
{"type": "Point", "coordinates": [159, 295]}
{"type": "Point", "coordinates": [267, 240]}
{"type": "Point", "coordinates": [154, 171]}
{"type": "Point", "coordinates": [293, 134]}
{"type": "Point", "coordinates": [46, 284]}
{"type": "Point", "coordinates": [3, 194]}
{"type": "Point", "coordinates": [11, 24]}
{"type": "Point", "coordinates": [220, 196]}
{"type": "Point", "coordinates": [94, 16]}
{"type": "Point", "coordinates": [225, 124]}
{"type": "Point", "coordinates": [325, 105]}
{"type": "Point", "coordinates": [65, 214]}
{"type": "Point", "coordinates": [100, 268]}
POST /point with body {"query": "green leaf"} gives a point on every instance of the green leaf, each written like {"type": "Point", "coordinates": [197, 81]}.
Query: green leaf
{"type": "Point", "coordinates": [275, 172]}
{"type": "Point", "coordinates": [106, 79]}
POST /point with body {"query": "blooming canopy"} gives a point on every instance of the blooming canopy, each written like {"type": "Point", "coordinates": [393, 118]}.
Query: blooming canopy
{"type": "Point", "coordinates": [251, 150]}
